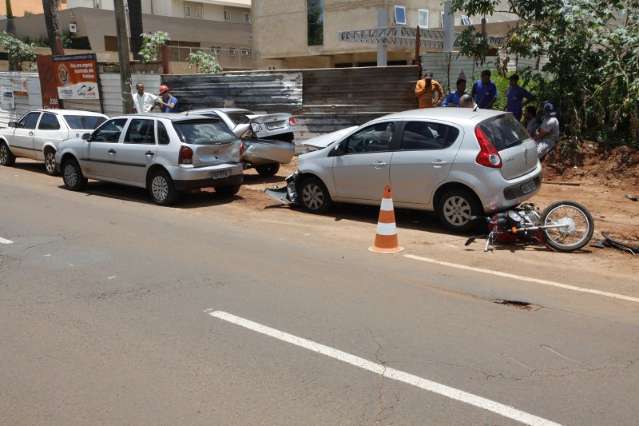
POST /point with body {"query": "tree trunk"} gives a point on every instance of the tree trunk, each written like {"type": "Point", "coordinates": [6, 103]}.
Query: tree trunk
{"type": "Point", "coordinates": [135, 23]}
{"type": "Point", "coordinates": [52, 22]}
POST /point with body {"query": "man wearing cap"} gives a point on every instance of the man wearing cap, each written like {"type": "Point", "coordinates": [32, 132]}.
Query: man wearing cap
{"type": "Point", "coordinates": [428, 91]}
{"type": "Point", "coordinates": [168, 102]}
{"type": "Point", "coordinates": [547, 135]}
{"type": "Point", "coordinates": [142, 101]}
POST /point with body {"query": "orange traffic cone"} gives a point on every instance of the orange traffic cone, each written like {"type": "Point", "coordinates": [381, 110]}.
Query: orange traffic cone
{"type": "Point", "coordinates": [386, 240]}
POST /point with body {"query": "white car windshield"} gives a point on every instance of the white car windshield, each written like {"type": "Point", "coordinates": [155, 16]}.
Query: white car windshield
{"type": "Point", "coordinates": [204, 132]}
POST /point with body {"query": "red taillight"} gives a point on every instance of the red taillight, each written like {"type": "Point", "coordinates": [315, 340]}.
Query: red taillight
{"type": "Point", "coordinates": [488, 155]}
{"type": "Point", "coordinates": [186, 155]}
{"type": "Point", "coordinates": [292, 121]}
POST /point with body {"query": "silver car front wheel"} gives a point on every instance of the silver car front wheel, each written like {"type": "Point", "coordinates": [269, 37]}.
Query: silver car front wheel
{"type": "Point", "coordinates": [314, 196]}
{"type": "Point", "coordinates": [457, 211]}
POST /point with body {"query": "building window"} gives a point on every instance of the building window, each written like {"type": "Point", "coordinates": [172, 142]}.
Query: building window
{"type": "Point", "coordinates": [247, 18]}
{"type": "Point", "coordinates": [423, 15]}
{"type": "Point", "coordinates": [315, 20]}
{"type": "Point", "coordinates": [192, 10]}
{"type": "Point", "coordinates": [442, 14]}
{"type": "Point", "coordinates": [228, 17]}
{"type": "Point", "coordinates": [400, 15]}
{"type": "Point", "coordinates": [465, 20]}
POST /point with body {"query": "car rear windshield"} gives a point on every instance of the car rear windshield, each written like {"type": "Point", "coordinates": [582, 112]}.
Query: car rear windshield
{"type": "Point", "coordinates": [504, 131]}
{"type": "Point", "coordinates": [84, 121]}
{"type": "Point", "coordinates": [239, 117]}
{"type": "Point", "coordinates": [204, 132]}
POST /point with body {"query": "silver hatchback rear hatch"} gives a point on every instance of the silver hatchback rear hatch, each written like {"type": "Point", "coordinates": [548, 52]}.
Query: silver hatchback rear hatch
{"type": "Point", "coordinates": [518, 151]}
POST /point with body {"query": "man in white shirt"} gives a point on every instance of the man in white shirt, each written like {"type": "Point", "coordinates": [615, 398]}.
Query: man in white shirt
{"type": "Point", "coordinates": [548, 133]}
{"type": "Point", "coordinates": [143, 102]}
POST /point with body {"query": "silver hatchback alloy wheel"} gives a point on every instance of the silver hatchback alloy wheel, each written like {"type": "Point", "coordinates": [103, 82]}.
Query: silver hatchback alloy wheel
{"type": "Point", "coordinates": [4, 154]}
{"type": "Point", "coordinates": [49, 162]}
{"type": "Point", "coordinates": [313, 196]}
{"type": "Point", "coordinates": [160, 188]}
{"type": "Point", "coordinates": [71, 176]}
{"type": "Point", "coordinates": [457, 210]}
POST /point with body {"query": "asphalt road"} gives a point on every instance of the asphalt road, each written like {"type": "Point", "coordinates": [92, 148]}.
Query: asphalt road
{"type": "Point", "coordinates": [110, 314]}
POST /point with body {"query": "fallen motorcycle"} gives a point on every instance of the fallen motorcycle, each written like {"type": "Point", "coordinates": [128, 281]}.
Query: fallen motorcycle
{"type": "Point", "coordinates": [564, 226]}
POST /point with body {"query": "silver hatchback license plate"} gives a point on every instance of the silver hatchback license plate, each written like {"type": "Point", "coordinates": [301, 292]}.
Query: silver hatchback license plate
{"type": "Point", "coordinates": [220, 174]}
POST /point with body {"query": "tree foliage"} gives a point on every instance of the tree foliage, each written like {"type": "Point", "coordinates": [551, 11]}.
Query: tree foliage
{"type": "Point", "coordinates": [17, 51]}
{"type": "Point", "coordinates": [591, 58]}
{"type": "Point", "coordinates": [151, 44]}
{"type": "Point", "coordinates": [204, 62]}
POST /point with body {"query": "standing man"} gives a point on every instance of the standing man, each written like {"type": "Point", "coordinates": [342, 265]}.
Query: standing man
{"type": "Point", "coordinates": [548, 133]}
{"type": "Point", "coordinates": [429, 92]}
{"type": "Point", "coordinates": [142, 101]}
{"type": "Point", "coordinates": [515, 96]}
{"type": "Point", "coordinates": [484, 91]}
{"type": "Point", "coordinates": [452, 100]}
{"type": "Point", "coordinates": [168, 101]}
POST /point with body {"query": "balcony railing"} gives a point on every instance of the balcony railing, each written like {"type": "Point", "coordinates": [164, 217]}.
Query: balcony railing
{"type": "Point", "coordinates": [181, 54]}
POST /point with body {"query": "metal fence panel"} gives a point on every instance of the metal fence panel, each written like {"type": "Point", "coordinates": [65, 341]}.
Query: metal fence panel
{"type": "Point", "coordinates": [23, 104]}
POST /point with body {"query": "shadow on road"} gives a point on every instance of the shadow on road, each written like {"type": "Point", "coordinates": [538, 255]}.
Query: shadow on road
{"type": "Point", "coordinates": [187, 200]}
{"type": "Point", "coordinates": [31, 167]}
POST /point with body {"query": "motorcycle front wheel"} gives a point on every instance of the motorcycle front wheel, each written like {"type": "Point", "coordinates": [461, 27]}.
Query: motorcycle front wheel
{"type": "Point", "coordinates": [569, 226]}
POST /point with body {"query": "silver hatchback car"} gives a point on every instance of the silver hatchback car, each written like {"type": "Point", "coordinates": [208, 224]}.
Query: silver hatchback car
{"type": "Point", "coordinates": [458, 162]}
{"type": "Point", "coordinates": [163, 153]}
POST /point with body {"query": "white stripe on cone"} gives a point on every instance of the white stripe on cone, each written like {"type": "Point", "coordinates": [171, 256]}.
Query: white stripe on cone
{"type": "Point", "coordinates": [387, 204]}
{"type": "Point", "coordinates": [386, 229]}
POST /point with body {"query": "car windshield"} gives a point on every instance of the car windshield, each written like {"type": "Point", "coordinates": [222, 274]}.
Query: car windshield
{"type": "Point", "coordinates": [504, 131]}
{"type": "Point", "coordinates": [204, 132]}
{"type": "Point", "coordinates": [84, 121]}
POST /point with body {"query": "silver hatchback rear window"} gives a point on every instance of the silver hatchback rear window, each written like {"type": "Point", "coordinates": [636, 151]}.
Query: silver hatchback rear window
{"type": "Point", "coordinates": [208, 131]}
{"type": "Point", "coordinates": [504, 131]}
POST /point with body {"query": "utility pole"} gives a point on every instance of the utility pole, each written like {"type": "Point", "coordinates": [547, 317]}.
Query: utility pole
{"type": "Point", "coordinates": [52, 22]}
{"type": "Point", "coordinates": [122, 29]}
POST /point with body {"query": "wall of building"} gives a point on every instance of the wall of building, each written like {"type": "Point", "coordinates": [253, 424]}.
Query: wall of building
{"type": "Point", "coordinates": [280, 28]}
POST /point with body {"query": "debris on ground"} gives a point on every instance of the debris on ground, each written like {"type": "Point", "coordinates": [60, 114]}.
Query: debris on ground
{"type": "Point", "coordinates": [617, 243]}
{"type": "Point", "coordinates": [632, 197]}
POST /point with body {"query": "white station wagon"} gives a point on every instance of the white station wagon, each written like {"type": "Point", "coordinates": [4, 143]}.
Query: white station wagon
{"type": "Point", "coordinates": [38, 133]}
{"type": "Point", "coordinates": [164, 153]}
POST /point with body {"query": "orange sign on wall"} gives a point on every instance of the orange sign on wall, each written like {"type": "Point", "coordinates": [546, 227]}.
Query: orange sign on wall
{"type": "Point", "coordinates": [67, 77]}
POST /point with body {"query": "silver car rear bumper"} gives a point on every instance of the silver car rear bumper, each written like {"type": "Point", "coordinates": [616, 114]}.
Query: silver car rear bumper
{"type": "Point", "coordinates": [219, 171]}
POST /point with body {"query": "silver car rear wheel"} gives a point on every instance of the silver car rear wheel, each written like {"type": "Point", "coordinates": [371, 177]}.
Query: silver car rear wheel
{"type": "Point", "coordinates": [6, 156]}
{"type": "Point", "coordinates": [49, 162]}
{"type": "Point", "coordinates": [457, 211]}
{"type": "Point", "coordinates": [161, 188]}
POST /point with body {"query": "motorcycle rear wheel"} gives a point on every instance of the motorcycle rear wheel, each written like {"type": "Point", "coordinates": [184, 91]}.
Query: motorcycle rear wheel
{"type": "Point", "coordinates": [577, 230]}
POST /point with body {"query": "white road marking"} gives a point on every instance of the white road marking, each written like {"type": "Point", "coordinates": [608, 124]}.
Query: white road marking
{"type": "Point", "coordinates": [3, 241]}
{"type": "Point", "coordinates": [387, 372]}
{"type": "Point", "coordinates": [527, 279]}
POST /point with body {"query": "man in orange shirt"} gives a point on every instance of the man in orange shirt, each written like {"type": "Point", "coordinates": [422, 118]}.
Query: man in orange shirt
{"type": "Point", "coordinates": [429, 92]}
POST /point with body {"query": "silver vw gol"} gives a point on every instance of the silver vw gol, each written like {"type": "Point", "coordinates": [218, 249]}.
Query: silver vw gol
{"type": "Point", "coordinates": [164, 153]}
{"type": "Point", "coordinates": [457, 162]}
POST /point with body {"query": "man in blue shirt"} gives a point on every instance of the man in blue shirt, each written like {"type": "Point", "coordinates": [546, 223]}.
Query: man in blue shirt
{"type": "Point", "coordinates": [484, 91]}
{"type": "Point", "coordinates": [452, 100]}
{"type": "Point", "coordinates": [515, 96]}
{"type": "Point", "coordinates": [168, 102]}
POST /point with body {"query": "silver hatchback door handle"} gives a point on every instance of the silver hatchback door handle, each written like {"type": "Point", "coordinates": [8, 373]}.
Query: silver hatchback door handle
{"type": "Point", "coordinates": [438, 163]}
{"type": "Point", "coordinates": [149, 154]}
{"type": "Point", "coordinates": [30, 133]}
{"type": "Point", "coordinates": [111, 152]}
{"type": "Point", "coordinates": [379, 164]}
